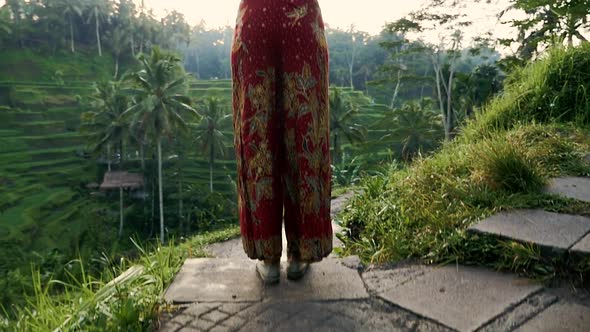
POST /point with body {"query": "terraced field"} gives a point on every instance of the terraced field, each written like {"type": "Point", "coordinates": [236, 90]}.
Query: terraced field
{"type": "Point", "coordinates": [43, 174]}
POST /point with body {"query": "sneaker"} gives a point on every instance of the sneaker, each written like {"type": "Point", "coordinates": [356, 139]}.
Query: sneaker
{"type": "Point", "coordinates": [296, 269]}
{"type": "Point", "coordinates": [270, 273]}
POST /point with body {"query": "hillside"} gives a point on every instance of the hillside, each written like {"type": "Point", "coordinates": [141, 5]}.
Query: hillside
{"type": "Point", "coordinates": [502, 160]}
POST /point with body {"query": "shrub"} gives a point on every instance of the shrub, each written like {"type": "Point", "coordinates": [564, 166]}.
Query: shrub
{"type": "Point", "coordinates": [555, 88]}
{"type": "Point", "coordinates": [505, 166]}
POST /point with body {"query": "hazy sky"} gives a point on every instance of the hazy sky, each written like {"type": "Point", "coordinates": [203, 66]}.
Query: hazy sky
{"type": "Point", "coordinates": [367, 15]}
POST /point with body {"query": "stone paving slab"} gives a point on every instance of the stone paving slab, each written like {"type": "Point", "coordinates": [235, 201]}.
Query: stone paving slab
{"type": "Point", "coordinates": [572, 187]}
{"type": "Point", "coordinates": [520, 314]}
{"type": "Point", "coordinates": [561, 316]}
{"type": "Point", "coordinates": [583, 246]}
{"type": "Point", "coordinates": [215, 280]}
{"type": "Point", "coordinates": [328, 280]}
{"type": "Point", "coordinates": [300, 316]}
{"type": "Point", "coordinates": [462, 298]}
{"type": "Point", "coordinates": [547, 229]}
{"type": "Point", "coordinates": [235, 280]}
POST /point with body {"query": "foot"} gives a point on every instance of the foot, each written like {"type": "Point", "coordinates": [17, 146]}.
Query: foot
{"type": "Point", "coordinates": [296, 269]}
{"type": "Point", "coordinates": [269, 272]}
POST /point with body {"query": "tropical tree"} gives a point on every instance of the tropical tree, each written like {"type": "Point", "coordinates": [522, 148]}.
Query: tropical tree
{"type": "Point", "coordinates": [107, 126]}
{"type": "Point", "coordinates": [160, 104]}
{"type": "Point", "coordinates": [474, 88]}
{"type": "Point", "coordinates": [343, 113]}
{"type": "Point", "coordinates": [98, 11]}
{"type": "Point", "coordinates": [71, 9]}
{"type": "Point", "coordinates": [568, 20]}
{"type": "Point", "coordinates": [209, 132]}
{"type": "Point", "coordinates": [415, 126]}
{"type": "Point", "coordinates": [17, 8]}
{"type": "Point", "coordinates": [118, 40]}
{"type": "Point", "coordinates": [4, 22]}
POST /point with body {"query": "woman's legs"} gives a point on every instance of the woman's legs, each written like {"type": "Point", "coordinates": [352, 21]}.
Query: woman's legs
{"type": "Point", "coordinates": [306, 136]}
{"type": "Point", "coordinates": [257, 135]}
{"type": "Point", "coordinates": [281, 125]}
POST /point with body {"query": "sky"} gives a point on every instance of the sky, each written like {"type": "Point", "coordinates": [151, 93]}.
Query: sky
{"type": "Point", "coordinates": [367, 15]}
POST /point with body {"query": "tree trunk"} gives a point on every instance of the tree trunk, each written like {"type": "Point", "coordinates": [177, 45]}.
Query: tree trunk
{"type": "Point", "coordinates": [132, 45]}
{"type": "Point", "coordinates": [396, 91]}
{"type": "Point", "coordinates": [97, 31]}
{"type": "Point", "coordinates": [120, 211]}
{"type": "Point", "coordinates": [142, 156]}
{"type": "Point", "coordinates": [160, 190]}
{"type": "Point", "coordinates": [116, 66]}
{"type": "Point", "coordinates": [153, 207]}
{"type": "Point", "coordinates": [440, 100]}
{"type": "Point", "coordinates": [180, 197]}
{"type": "Point", "coordinates": [109, 156]}
{"type": "Point", "coordinates": [72, 46]}
{"type": "Point", "coordinates": [336, 150]}
{"type": "Point", "coordinates": [122, 154]}
{"type": "Point", "coordinates": [450, 113]}
{"type": "Point", "coordinates": [211, 161]}
{"type": "Point", "coordinates": [198, 64]}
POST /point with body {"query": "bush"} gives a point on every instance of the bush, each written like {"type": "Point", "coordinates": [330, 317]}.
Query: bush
{"type": "Point", "coordinates": [504, 166]}
{"type": "Point", "coordinates": [555, 88]}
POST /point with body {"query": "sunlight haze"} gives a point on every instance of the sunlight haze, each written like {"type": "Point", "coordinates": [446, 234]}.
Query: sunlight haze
{"type": "Point", "coordinates": [367, 15]}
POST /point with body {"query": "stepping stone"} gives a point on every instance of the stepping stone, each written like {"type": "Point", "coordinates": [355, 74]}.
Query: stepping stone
{"type": "Point", "coordinates": [572, 187]}
{"type": "Point", "coordinates": [547, 229]}
{"type": "Point", "coordinates": [215, 280]}
{"type": "Point", "coordinates": [462, 298]}
{"type": "Point", "coordinates": [560, 317]}
{"type": "Point", "coordinates": [583, 246]}
{"type": "Point", "coordinates": [236, 280]}
{"type": "Point", "coordinates": [331, 279]}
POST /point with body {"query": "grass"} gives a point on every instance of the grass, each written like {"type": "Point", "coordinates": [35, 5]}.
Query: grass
{"type": "Point", "coordinates": [422, 212]}
{"type": "Point", "coordinates": [537, 129]}
{"type": "Point", "coordinates": [127, 297]}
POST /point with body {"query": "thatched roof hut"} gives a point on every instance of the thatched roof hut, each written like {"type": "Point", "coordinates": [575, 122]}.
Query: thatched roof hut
{"type": "Point", "coordinates": [119, 179]}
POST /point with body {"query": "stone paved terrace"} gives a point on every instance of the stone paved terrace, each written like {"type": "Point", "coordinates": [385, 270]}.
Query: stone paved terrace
{"type": "Point", "coordinates": [339, 294]}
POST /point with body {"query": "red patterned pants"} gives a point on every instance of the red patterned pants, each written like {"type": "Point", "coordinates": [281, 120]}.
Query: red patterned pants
{"type": "Point", "coordinates": [282, 128]}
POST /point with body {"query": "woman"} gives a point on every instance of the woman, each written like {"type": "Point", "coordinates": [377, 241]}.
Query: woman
{"type": "Point", "coordinates": [281, 125]}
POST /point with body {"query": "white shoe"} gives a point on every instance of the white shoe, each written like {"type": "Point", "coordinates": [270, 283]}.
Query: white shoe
{"type": "Point", "coordinates": [296, 269]}
{"type": "Point", "coordinates": [270, 273]}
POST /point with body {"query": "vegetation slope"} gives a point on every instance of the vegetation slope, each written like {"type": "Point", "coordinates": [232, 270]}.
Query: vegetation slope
{"type": "Point", "coordinates": [535, 130]}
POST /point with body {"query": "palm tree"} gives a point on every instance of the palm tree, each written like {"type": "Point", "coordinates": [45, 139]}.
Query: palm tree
{"type": "Point", "coordinates": [17, 8]}
{"type": "Point", "coordinates": [343, 113]}
{"type": "Point", "coordinates": [106, 126]}
{"type": "Point", "coordinates": [415, 126]}
{"type": "Point", "coordinates": [98, 11]}
{"type": "Point", "coordinates": [210, 136]}
{"type": "Point", "coordinates": [118, 39]}
{"type": "Point", "coordinates": [5, 20]}
{"type": "Point", "coordinates": [159, 104]}
{"type": "Point", "coordinates": [71, 9]}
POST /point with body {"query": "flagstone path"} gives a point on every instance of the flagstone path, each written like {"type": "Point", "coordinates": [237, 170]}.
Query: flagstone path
{"type": "Point", "coordinates": [339, 294]}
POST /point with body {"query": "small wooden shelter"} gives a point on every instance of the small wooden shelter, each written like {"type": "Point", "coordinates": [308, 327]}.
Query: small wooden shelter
{"type": "Point", "coordinates": [120, 180]}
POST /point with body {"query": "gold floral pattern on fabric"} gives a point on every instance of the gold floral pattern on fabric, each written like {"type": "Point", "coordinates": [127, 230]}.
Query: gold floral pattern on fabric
{"type": "Point", "coordinates": [297, 14]}
{"type": "Point", "coordinates": [309, 250]}
{"type": "Point", "coordinates": [238, 43]}
{"type": "Point", "coordinates": [319, 32]}
{"type": "Point", "coordinates": [302, 99]}
{"type": "Point", "coordinates": [263, 249]}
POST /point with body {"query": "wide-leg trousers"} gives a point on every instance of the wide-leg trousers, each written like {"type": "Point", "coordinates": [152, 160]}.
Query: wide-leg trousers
{"type": "Point", "coordinates": [282, 128]}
